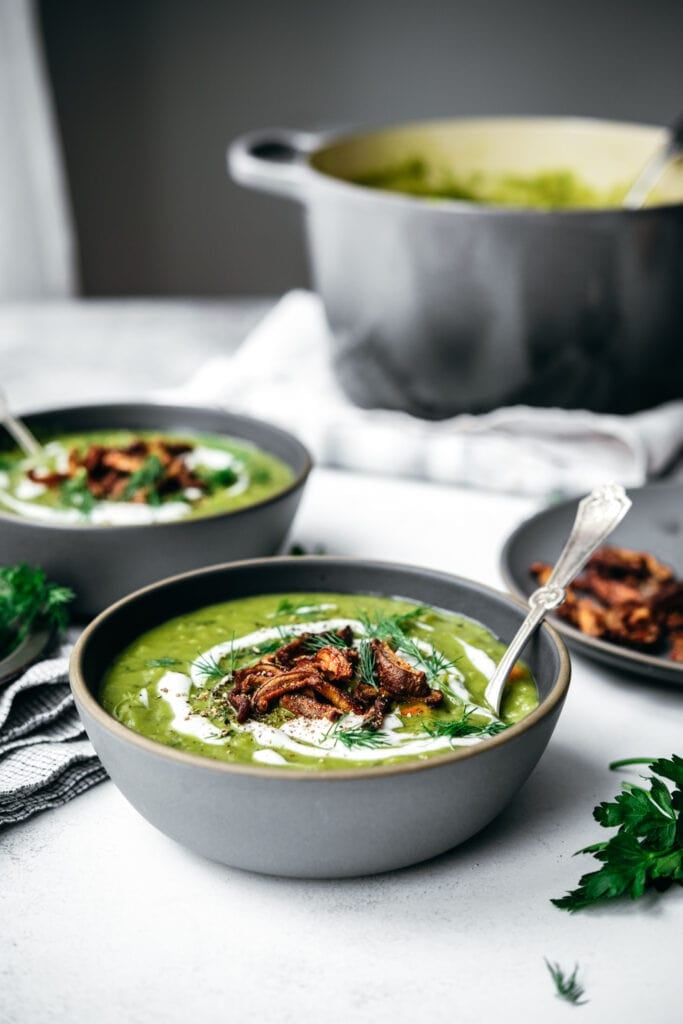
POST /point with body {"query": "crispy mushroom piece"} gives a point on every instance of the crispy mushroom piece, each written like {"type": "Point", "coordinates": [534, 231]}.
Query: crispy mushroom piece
{"type": "Point", "coordinates": [397, 677]}
{"type": "Point", "coordinates": [308, 707]}
{"type": "Point", "coordinates": [285, 682]}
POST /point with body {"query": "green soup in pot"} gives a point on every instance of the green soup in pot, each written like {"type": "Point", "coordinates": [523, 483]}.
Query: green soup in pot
{"type": "Point", "coordinates": [174, 684]}
{"type": "Point", "coordinates": [224, 473]}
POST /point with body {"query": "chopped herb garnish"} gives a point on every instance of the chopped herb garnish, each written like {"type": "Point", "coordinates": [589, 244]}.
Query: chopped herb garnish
{"type": "Point", "coordinates": [75, 493]}
{"type": "Point", "coordinates": [217, 479]}
{"type": "Point", "coordinates": [647, 851]}
{"type": "Point", "coordinates": [29, 600]}
{"type": "Point", "coordinates": [567, 986]}
{"type": "Point", "coordinates": [146, 478]}
{"type": "Point", "coordinates": [457, 728]}
{"type": "Point", "coordinates": [162, 663]}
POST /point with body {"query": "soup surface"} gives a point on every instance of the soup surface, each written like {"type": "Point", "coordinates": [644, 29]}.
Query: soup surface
{"type": "Point", "coordinates": [123, 478]}
{"type": "Point", "coordinates": [315, 681]}
{"type": "Point", "coordinates": [551, 189]}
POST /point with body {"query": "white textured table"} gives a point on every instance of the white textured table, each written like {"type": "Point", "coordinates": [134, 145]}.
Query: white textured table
{"type": "Point", "coordinates": [103, 919]}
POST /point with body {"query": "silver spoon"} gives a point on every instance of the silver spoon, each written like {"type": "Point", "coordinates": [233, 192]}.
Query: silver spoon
{"type": "Point", "coordinates": [654, 168]}
{"type": "Point", "coordinates": [19, 431]}
{"type": "Point", "coordinates": [596, 517]}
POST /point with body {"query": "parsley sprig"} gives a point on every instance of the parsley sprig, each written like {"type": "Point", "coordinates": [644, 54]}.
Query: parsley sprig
{"type": "Point", "coordinates": [29, 600]}
{"type": "Point", "coordinates": [647, 850]}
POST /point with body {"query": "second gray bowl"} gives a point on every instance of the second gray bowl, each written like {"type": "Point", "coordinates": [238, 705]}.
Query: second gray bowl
{"type": "Point", "coordinates": [102, 563]}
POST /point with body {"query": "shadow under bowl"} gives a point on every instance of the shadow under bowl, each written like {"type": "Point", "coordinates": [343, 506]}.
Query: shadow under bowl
{"type": "Point", "coordinates": [103, 563]}
{"type": "Point", "coordinates": [316, 824]}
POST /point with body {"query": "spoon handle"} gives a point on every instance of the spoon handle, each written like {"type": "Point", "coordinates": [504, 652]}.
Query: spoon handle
{"type": "Point", "coordinates": [654, 168]}
{"type": "Point", "coordinates": [596, 516]}
{"type": "Point", "coordinates": [19, 431]}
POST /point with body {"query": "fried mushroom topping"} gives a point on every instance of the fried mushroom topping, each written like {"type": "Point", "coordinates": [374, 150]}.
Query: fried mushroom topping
{"type": "Point", "coordinates": [626, 597]}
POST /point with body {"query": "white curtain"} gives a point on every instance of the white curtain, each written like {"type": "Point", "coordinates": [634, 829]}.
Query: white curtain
{"type": "Point", "coordinates": [37, 250]}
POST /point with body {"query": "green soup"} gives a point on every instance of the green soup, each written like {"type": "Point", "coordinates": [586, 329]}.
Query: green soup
{"type": "Point", "coordinates": [173, 684]}
{"type": "Point", "coordinates": [552, 189]}
{"type": "Point", "coordinates": [227, 474]}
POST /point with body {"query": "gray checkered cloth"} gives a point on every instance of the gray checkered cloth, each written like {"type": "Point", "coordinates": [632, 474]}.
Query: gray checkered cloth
{"type": "Point", "coordinates": [45, 756]}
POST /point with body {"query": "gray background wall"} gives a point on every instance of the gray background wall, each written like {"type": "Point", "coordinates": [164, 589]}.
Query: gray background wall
{"type": "Point", "coordinates": [148, 93]}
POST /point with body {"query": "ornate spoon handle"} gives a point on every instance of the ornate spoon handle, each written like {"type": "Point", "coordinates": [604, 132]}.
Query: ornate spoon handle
{"type": "Point", "coordinates": [19, 431]}
{"type": "Point", "coordinates": [596, 517]}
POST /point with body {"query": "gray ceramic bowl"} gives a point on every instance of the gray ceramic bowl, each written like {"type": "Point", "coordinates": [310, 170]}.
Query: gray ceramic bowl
{"type": "Point", "coordinates": [315, 824]}
{"type": "Point", "coordinates": [102, 563]}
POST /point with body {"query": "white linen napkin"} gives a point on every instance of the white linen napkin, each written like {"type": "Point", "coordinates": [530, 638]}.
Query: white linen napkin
{"type": "Point", "coordinates": [282, 372]}
{"type": "Point", "coordinates": [45, 756]}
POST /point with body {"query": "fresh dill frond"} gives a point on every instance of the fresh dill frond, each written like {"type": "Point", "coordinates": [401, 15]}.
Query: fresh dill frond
{"type": "Point", "coordinates": [210, 667]}
{"type": "Point", "coordinates": [366, 663]}
{"type": "Point", "coordinates": [567, 986]}
{"type": "Point", "coordinates": [270, 646]}
{"type": "Point", "coordinates": [315, 641]}
{"type": "Point", "coordinates": [162, 662]}
{"type": "Point", "coordinates": [456, 728]}
{"type": "Point", "coordinates": [358, 737]}
{"type": "Point", "coordinates": [389, 628]}
{"type": "Point", "coordinates": [434, 663]}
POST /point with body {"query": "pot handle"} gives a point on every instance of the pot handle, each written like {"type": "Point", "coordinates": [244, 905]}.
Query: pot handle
{"type": "Point", "coordinates": [273, 160]}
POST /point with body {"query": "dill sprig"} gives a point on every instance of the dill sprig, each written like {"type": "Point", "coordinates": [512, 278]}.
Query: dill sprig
{"type": "Point", "coordinates": [358, 737]}
{"type": "Point", "coordinates": [366, 663]}
{"type": "Point", "coordinates": [270, 646]}
{"type": "Point", "coordinates": [390, 628]}
{"type": "Point", "coordinates": [29, 600]}
{"type": "Point", "coordinates": [567, 986]}
{"type": "Point", "coordinates": [315, 641]}
{"type": "Point", "coordinates": [434, 664]}
{"type": "Point", "coordinates": [212, 668]}
{"type": "Point", "coordinates": [457, 728]}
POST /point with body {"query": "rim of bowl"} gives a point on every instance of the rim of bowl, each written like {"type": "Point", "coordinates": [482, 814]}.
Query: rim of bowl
{"type": "Point", "coordinates": [85, 697]}
{"type": "Point", "coordinates": [463, 205]}
{"type": "Point", "coordinates": [298, 481]}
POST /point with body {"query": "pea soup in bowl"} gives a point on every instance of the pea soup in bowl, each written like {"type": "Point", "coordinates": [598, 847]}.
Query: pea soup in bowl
{"type": "Point", "coordinates": [316, 717]}
{"type": "Point", "coordinates": [122, 495]}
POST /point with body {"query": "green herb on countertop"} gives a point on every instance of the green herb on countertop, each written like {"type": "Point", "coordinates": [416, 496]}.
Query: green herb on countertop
{"type": "Point", "coordinates": [647, 851]}
{"type": "Point", "coordinates": [29, 600]}
{"type": "Point", "coordinates": [567, 986]}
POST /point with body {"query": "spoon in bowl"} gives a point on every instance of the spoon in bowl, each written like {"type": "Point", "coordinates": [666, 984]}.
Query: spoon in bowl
{"type": "Point", "coordinates": [655, 167]}
{"type": "Point", "coordinates": [19, 431]}
{"type": "Point", "coordinates": [597, 515]}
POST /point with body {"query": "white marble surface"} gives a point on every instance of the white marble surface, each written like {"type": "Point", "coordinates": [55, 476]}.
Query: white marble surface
{"type": "Point", "coordinates": [104, 919]}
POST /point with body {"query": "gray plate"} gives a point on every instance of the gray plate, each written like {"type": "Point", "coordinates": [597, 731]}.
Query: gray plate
{"type": "Point", "coordinates": [654, 524]}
